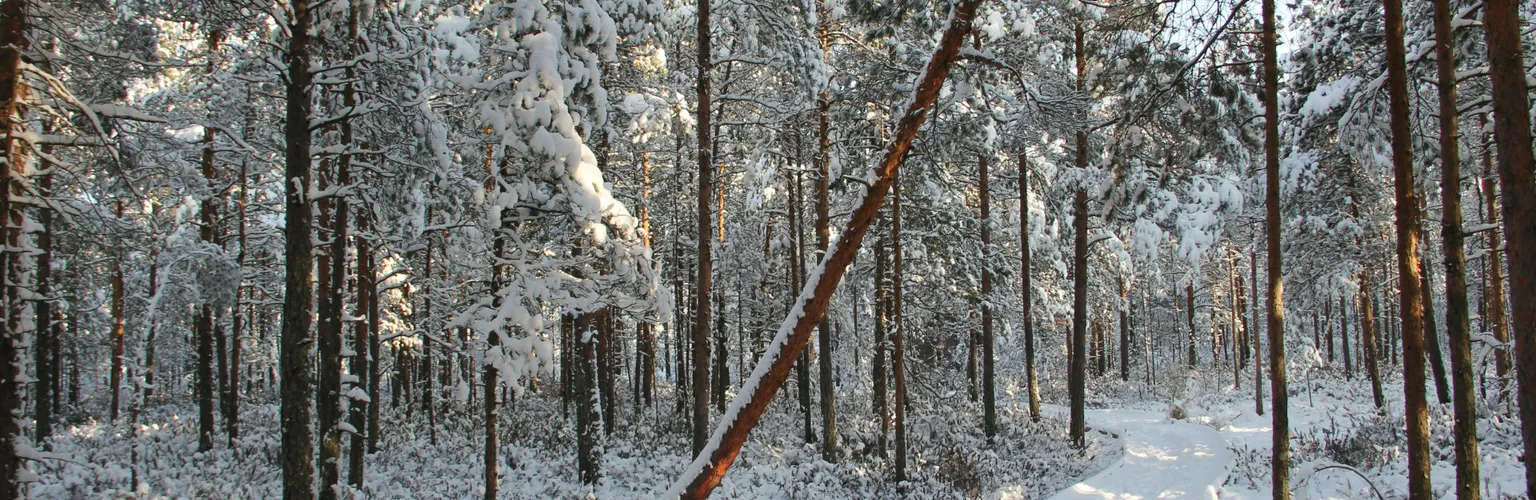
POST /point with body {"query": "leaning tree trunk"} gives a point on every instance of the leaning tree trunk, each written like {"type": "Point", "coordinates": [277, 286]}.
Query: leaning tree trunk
{"type": "Point", "coordinates": [1453, 244]}
{"type": "Point", "coordinates": [1512, 129]}
{"type": "Point", "coordinates": [1432, 353]}
{"type": "Point", "coordinates": [1368, 341]}
{"type": "Point", "coordinates": [296, 363]}
{"type": "Point", "coordinates": [705, 473]}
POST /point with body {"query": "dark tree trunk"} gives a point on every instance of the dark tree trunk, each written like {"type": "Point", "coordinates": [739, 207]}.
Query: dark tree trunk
{"type": "Point", "coordinates": [1453, 244]}
{"type": "Point", "coordinates": [46, 364]}
{"type": "Point", "coordinates": [705, 271]}
{"type": "Point", "coordinates": [589, 417]}
{"type": "Point", "coordinates": [1369, 341]}
{"type": "Point", "coordinates": [882, 308]}
{"type": "Point", "coordinates": [1026, 304]}
{"type": "Point", "coordinates": [1191, 355]}
{"type": "Point", "coordinates": [296, 364]}
{"type": "Point", "coordinates": [829, 436]}
{"type": "Point", "coordinates": [1512, 129]}
{"type": "Point", "coordinates": [988, 373]}
{"type": "Point", "coordinates": [1432, 353]}
{"type": "Point", "coordinates": [13, 43]}
{"type": "Point", "coordinates": [1349, 370]}
{"type": "Point", "coordinates": [1281, 447]}
{"type": "Point", "coordinates": [1077, 372]}
{"type": "Point", "coordinates": [118, 334]}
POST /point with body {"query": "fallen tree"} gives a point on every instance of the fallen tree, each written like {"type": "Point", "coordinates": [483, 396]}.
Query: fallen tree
{"type": "Point", "coordinates": [709, 467]}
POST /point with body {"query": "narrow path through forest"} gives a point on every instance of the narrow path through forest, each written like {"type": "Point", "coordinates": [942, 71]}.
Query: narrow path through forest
{"type": "Point", "coordinates": [1163, 458]}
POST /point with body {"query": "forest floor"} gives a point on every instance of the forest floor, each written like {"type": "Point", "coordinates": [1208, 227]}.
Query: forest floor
{"type": "Point", "coordinates": [1342, 448]}
{"type": "Point", "coordinates": [949, 457]}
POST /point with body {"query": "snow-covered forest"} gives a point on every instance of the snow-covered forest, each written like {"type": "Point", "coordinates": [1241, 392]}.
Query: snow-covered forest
{"type": "Point", "coordinates": [1004, 249]}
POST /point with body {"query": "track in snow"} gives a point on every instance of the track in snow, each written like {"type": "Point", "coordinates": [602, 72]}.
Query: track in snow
{"type": "Point", "coordinates": [1163, 458]}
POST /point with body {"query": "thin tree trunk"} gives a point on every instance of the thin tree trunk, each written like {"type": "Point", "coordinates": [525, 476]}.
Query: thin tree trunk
{"type": "Point", "coordinates": [1368, 341]}
{"type": "Point", "coordinates": [1281, 447]}
{"type": "Point", "coordinates": [823, 238]}
{"type": "Point", "coordinates": [1453, 244]}
{"type": "Point", "coordinates": [988, 373]}
{"type": "Point", "coordinates": [46, 365]}
{"type": "Point", "coordinates": [1026, 304]}
{"type": "Point", "coordinates": [118, 334]}
{"type": "Point", "coordinates": [1077, 372]}
{"type": "Point", "coordinates": [1432, 353]}
{"type": "Point", "coordinates": [1328, 327]}
{"type": "Point", "coordinates": [1495, 295]}
{"type": "Point", "coordinates": [1189, 316]}
{"type": "Point", "coordinates": [1349, 370]}
{"type": "Point", "coordinates": [882, 308]}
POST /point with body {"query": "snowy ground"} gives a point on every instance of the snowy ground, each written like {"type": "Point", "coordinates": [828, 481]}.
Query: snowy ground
{"type": "Point", "coordinates": [949, 457]}
{"type": "Point", "coordinates": [1342, 448]}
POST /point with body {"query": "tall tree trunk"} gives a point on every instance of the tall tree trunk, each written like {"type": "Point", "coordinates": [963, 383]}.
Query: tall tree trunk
{"type": "Point", "coordinates": [1077, 372]}
{"type": "Point", "coordinates": [1026, 304]}
{"type": "Point", "coordinates": [237, 332]}
{"type": "Point", "coordinates": [988, 373]}
{"type": "Point", "coordinates": [119, 315]}
{"type": "Point", "coordinates": [1495, 295]}
{"type": "Point", "coordinates": [46, 365]}
{"type": "Point", "coordinates": [296, 363]}
{"type": "Point", "coordinates": [705, 272]}
{"type": "Point", "coordinates": [1453, 244]}
{"type": "Point", "coordinates": [823, 236]}
{"type": "Point", "coordinates": [205, 319]}
{"type": "Point", "coordinates": [796, 282]}
{"type": "Point", "coordinates": [882, 308]}
{"type": "Point", "coordinates": [1512, 129]}
{"type": "Point", "coordinates": [1410, 297]}
{"type": "Point", "coordinates": [647, 329]}
{"type": "Point", "coordinates": [328, 329]}
{"type": "Point", "coordinates": [1235, 282]}
{"type": "Point", "coordinates": [1258, 367]}
{"type": "Point", "coordinates": [362, 360]}
{"type": "Point", "coordinates": [1281, 447]}
{"type": "Point", "coordinates": [13, 43]}
{"type": "Point", "coordinates": [358, 361]}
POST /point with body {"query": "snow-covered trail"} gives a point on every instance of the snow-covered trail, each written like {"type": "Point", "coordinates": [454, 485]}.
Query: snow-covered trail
{"type": "Point", "coordinates": [1163, 459]}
